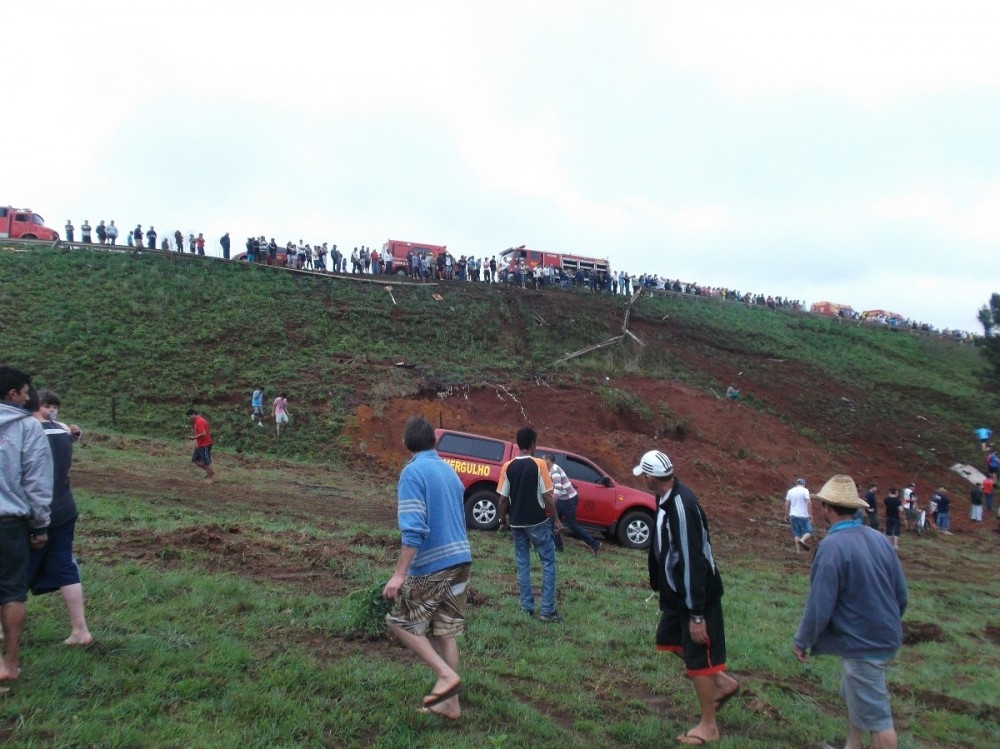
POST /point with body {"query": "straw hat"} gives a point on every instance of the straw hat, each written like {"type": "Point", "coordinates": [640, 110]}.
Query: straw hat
{"type": "Point", "coordinates": [841, 492]}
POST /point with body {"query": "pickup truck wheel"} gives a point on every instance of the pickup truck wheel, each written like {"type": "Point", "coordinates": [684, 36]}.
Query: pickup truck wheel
{"type": "Point", "coordinates": [481, 511]}
{"type": "Point", "coordinates": [635, 530]}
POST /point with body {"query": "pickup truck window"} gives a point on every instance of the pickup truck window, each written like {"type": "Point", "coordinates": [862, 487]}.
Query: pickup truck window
{"type": "Point", "coordinates": [577, 470]}
{"type": "Point", "coordinates": [473, 447]}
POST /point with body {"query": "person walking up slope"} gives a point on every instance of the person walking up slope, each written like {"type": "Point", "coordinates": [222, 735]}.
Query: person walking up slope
{"type": "Point", "coordinates": [857, 598]}
{"type": "Point", "coordinates": [202, 456]}
{"type": "Point", "coordinates": [279, 409]}
{"type": "Point", "coordinates": [799, 512]}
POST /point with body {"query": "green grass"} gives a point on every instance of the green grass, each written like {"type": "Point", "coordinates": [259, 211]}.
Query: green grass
{"type": "Point", "coordinates": [190, 655]}
{"type": "Point", "coordinates": [135, 341]}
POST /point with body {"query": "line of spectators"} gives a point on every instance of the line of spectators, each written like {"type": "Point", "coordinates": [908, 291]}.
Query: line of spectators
{"type": "Point", "coordinates": [445, 266]}
{"type": "Point", "coordinates": [107, 234]}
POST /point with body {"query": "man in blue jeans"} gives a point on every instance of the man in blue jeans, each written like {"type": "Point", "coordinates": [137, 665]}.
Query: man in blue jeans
{"type": "Point", "coordinates": [525, 495]}
{"type": "Point", "coordinates": [567, 499]}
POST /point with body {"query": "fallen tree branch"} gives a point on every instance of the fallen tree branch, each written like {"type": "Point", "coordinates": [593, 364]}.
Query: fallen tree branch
{"type": "Point", "coordinates": [587, 350]}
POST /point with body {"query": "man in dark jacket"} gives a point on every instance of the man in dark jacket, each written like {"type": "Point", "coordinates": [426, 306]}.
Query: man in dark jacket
{"type": "Point", "coordinates": [857, 597]}
{"type": "Point", "coordinates": [682, 568]}
{"type": "Point", "coordinates": [53, 567]}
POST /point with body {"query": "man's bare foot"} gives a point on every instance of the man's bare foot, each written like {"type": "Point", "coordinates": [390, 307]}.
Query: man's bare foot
{"type": "Point", "coordinates": [7, 675]}
{"type": "Point", "coordinates": [692, 738]}
{"type": "Point", "coordinates": [449, 709]}
{"type": "Point", "coordinates": [81, 640]}
{"type": "Point", "coordinates": [442, 691]}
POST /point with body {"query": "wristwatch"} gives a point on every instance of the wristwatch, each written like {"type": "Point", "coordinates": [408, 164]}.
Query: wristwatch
{"type": "Point", "coordinates": [697, 619]}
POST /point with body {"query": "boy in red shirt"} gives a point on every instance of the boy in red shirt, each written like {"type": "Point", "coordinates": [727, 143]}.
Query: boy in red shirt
{"type": "Point", "coordinates": [202, 456]}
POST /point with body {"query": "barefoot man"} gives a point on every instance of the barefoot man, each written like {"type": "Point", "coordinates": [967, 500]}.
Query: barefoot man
{"type": "Point", "coordinates": [682, 568]}
{"type": "Point", "coordinates": [54, 567]}
{"type": "Point", "coordinates": [25, 498]}
{"type": "Point", "coordinates": [432, 573]}
{"type": "Point", "coordinates": [202, 456]}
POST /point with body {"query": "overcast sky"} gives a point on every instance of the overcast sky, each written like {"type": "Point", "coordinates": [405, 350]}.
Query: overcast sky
{"type": "Point", "coordinates": [842, 151]}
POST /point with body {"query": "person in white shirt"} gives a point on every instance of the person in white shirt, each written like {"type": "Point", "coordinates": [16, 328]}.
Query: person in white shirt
{"type": "Point", "coordinates": [798, 511]}
{"type": "Point", "coordinates": [567, 499]}
{"type": "Point", "coordinates": [909, 505]}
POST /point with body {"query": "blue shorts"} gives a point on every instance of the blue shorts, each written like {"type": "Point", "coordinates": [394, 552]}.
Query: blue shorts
{"type": "Point", "coordinates": [53, 566]}
{"type": "Point", "coordinates": [202, 455]}
{"type": "Point", "coordinates": [800, 526]}
{"type": "Point", "coordinates": [14, 551]}
{"type": "Point", "coordinates": [863, 686]}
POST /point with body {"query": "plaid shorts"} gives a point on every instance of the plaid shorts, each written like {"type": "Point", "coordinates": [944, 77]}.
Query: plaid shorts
{"type": "Point", "coordinates": [433, 604]}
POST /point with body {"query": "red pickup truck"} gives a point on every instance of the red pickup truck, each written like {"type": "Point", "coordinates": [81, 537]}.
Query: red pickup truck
{"type": "Point", "coordinates": [605, 505]}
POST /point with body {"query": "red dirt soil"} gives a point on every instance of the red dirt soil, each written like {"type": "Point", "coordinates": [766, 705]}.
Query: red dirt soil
{"type": "Point", "coordinates": [738, 460]}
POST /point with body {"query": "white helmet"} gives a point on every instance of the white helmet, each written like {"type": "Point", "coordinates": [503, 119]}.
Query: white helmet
{"type": "Point", "coordinates": [656, 464]}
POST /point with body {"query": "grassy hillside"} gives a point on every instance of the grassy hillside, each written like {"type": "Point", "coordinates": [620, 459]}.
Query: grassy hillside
{"type": "Point", "coordinates": [235, 615]}
{"type": "Point", "coordinates": [238, 614]}
{"type": "Point", "coordinates": [135, 341]}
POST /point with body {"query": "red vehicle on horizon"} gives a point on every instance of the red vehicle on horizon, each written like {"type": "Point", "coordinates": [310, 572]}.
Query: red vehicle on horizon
{"type": "Point", "coordinates": [23, 223]}
{"type": "Point", "coordinates": [569, 263]}
{"type": "Point", "coordinates": [395, 253]}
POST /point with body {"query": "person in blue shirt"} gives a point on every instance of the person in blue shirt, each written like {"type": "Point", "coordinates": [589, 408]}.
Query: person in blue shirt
{"type": "Point", "coordinates": [432, 573]}
{"type": "Point", "coordinates": [257, 405]}
{"type": "Point", "coordinates": [984, 435]}
{"type": "Point", "coordinates": [857, 598]}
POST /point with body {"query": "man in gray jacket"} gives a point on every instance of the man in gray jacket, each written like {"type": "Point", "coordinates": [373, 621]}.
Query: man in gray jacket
{"type": "Point", "coordinates": [857, 597]}
{"type": "Point", "coordinates": [25, 497]}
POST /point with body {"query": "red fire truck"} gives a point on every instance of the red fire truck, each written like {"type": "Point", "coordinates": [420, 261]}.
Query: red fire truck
{"type": "Point", "coordinates": [21, 223]}
{"type": "Point", "coordinates": [395, 252]}
{"type": "Point", "coordinates": [569, 263]}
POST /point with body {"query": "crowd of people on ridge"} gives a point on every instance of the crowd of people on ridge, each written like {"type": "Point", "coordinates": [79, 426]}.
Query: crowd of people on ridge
{"type": "Point", "coordinates": [423, 266]}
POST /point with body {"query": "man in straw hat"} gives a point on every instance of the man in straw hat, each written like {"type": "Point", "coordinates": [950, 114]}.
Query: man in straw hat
{"type": "Point", "coordinates": [857, 596]}
{"type": "Point", "coordinates": [682, 568]}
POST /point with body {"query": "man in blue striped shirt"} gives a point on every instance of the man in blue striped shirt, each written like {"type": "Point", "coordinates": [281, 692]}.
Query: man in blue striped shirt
{"type": "Point", "coordinates": [432, 574]}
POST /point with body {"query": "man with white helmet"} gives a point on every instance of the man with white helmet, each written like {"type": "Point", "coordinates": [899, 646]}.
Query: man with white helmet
{"type": "Point", "coordinates": [682, 568]}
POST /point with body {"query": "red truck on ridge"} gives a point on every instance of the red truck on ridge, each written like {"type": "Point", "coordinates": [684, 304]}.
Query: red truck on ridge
{"type": "Point", "coordinates": [569, 263]}
{"type": "Point", "coordinates": [22, 223]}
{"type": "Point", "coordinates": [605, 505]}
{"type": "Point", "coordinates": [395, 253]}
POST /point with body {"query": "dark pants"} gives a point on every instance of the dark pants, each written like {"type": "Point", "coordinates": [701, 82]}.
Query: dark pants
{"type": "Point", "coordinates": [872, 519]}
{"type": "Point", "coordinates": [567, 514]}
